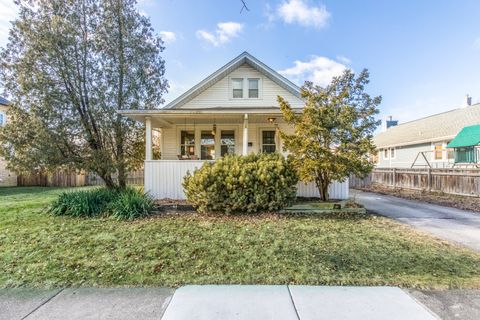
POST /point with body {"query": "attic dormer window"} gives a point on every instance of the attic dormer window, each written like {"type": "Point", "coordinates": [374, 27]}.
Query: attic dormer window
{"type": "Point", "coordinates": [253, 88]}
{"type": "Point", "coordinates": [237, 85]}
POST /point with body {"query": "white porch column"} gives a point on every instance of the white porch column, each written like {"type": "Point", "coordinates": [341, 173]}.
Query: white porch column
{"type": "Point", "coordinates": [245, 135]}
{"type": "Point", "coordinates": [278, 146]}
{"type": "Point", "coordinates": [148, 138]}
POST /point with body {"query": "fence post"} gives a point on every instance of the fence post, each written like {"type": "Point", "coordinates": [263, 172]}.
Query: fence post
{"type": "Point", "coordinates": [429, 179]}
{"type": "Point", "coordinates": [394, 178]}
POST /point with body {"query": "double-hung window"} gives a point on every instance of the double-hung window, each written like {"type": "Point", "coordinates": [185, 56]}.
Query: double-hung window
{"type": "Point", "coordinates": [187, 143]}
{"type": "Point", "coordinates": [207, 143]}
{"type": "Point", "coordinates": [392, 153]}
{"type": "Point", "coordinates": [237, 87]}
{"type": "Point", "coordinates": [253, 88]}
{"type": "Point", "coordinates": [227, 142]}
{"type": "Point", "coordinates": [268, 141]}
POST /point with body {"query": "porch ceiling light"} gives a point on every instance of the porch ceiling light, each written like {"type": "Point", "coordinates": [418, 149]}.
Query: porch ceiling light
{"type": "Point", "coordinates": [271, 120]}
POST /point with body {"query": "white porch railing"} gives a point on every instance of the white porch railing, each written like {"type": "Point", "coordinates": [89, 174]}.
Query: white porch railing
{"type": "Point", "coordinates": [163, 179]}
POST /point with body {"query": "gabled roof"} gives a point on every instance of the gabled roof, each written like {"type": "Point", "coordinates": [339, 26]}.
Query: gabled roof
{"type": "Point", "coordinates": [4, 101]}
{"type": "Point", "coordinates": [244, 58]}
{"type": "Point", "coordinates": [467, 137]}
{"type": "Point", "coordinates": [438, 127]}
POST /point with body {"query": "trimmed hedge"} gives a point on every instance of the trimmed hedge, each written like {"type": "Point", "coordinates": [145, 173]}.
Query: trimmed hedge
{"type": "Point", "coordinates": [125, 204]}
{"type": "Point", "coordinates": [242, 184]}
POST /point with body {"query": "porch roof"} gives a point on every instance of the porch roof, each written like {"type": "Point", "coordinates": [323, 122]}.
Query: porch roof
{"type": "Point", "coordinates": [169, 117]}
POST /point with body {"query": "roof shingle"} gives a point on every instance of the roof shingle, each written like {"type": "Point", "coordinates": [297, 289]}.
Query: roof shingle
{"type": "Point", "coordinates": [437, 127]}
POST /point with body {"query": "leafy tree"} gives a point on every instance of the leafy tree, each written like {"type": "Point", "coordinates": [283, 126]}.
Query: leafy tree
{"type": "Point", "coordinates": [333, 133]}
{"type": "Point", "coordinates": [68, 67]}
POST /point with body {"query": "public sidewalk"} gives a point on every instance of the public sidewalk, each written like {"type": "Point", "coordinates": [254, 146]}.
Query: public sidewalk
{"type": "Point", "coordinates": [214, 302]}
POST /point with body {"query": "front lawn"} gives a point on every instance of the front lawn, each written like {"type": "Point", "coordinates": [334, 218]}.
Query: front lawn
{"type": "Point", "coordinates": [37, 249]}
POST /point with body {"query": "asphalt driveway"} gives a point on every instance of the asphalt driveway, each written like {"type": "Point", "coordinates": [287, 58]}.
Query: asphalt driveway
{"type": "Point", "coordinates": [462, 227]}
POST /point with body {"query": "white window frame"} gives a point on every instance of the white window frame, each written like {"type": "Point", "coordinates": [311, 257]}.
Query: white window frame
{"type": "Point", "coordinates": [260, 138]}
{"type": "Point", "coordinates": [198, 133]}
{"type": "Point", "coordinates": [188, 129]}
{"type": "Point", "coordinates": [394, 153]}
{"type": "Point", "coordinates": [242, 81]}
{"type": "Point", "coordinates": [383, 154]}
{"type": "Point", "coordinates": [235, 137]}
{"type": "Point", "coordinates": [258, 88]}
{"type": "Point", "coordinates": [245, 87]}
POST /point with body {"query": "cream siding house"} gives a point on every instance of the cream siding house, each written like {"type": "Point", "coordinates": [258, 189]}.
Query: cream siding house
{"type": "Point", "coordinates": [423, 142]}
{"type": "Point", "coordinates": [234, 110]}
{"type": "Point", "coordinates": [7, 178]}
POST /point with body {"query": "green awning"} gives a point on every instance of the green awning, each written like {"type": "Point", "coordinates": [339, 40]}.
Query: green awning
{"type": "Point", "coordinates": [467, 137]}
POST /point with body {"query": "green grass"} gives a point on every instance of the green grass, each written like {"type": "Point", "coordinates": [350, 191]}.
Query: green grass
{"type": "Point", "coordinates": [41, 250]}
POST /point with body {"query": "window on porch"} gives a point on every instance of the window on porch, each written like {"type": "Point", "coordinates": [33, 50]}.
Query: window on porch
{"type": "Point", "coordinates": [268, 141]}
{"type": "Point", "coordinates": [227, 142]}
{"type": "Point", "coordinates": [207, 149]}
{"type": "Point", "coordinates": [187, 143]}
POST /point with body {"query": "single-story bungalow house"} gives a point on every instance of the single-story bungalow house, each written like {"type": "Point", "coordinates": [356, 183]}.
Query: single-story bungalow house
{"type": "Point", "coordinates": [423, 142]}
{"type": "Point", "coordinates": [7, 178]}
{"type": "Point", "coordinates": [233, 110]}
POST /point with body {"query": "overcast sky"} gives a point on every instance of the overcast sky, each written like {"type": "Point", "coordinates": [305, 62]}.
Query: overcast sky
{"type": "Point", "coordinates": [423, 56]}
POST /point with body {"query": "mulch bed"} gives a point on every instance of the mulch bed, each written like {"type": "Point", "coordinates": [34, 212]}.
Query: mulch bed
{"type": "Point", "coordinates": [444, 199]}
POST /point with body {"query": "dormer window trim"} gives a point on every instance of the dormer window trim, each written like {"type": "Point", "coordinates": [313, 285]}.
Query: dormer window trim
{"type": "Point", "coordinates": [246, 90]}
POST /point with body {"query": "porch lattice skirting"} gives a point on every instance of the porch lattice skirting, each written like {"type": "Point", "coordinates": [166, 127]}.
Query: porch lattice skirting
{"type": "Point", "coordinates": [163, 179]}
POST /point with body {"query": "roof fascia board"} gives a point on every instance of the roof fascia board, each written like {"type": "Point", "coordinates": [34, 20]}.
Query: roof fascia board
{"type": "Point", "coordinates": [409, 143]}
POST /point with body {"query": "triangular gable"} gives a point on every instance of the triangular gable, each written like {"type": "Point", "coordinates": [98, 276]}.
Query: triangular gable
{"type": "Point", "coordinates": [242, 59]}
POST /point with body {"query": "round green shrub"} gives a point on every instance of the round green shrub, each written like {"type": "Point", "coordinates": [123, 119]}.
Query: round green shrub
{"type": "Point", "coordinates": [242, 184]}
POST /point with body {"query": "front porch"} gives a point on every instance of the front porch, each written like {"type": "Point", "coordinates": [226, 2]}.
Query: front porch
{"type": "Point", "coordinates": [178, 141]}
{"type": "Point", "coordinates": [163, 179]}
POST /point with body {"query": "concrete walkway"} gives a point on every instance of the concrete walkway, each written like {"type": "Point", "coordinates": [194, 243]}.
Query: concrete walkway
{"type": "Point", "coordinates": [214, 302]}
{"type": "Point", "coordinates": [462, 227]}
{"type": "Point", "coordinates": [84, 303]}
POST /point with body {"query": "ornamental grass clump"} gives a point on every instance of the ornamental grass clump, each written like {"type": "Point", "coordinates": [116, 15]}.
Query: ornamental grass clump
{"type": "Point", "coordinates": [131, 204]}
{"type": "Point", "coordinates": [123, 204]}
{"type": "Point", "coordinates": [242, 184]}
{"type": "Point", "coordinates": [83, 203]}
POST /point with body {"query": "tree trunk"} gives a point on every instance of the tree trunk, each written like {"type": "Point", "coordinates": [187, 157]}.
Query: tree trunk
{"type": "Point", "coordinates": [122, 176]}
{"type": "Point", "coordinates": [322, 186]}
{"type": "Point", "coordinates": [107, 178]}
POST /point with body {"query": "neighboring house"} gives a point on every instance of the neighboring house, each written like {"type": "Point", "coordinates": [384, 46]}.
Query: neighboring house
{"type": "Point", "coordinates": [466, 146]}
{"type": "Point", "coordinates": [234, 110]}
{"type": "Point", "coordinates": [423, 142]}
{"type": "Point", "coordinates": [7, 178]}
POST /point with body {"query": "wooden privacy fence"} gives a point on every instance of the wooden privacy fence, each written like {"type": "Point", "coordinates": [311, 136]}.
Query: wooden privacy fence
{"type": "Point", "coordinates": [62, 178]}
{"type": "Point", "coordinates": [58, 178]}
{"type": "Point", "coordinates": [453, 181]}
{"type": "Point", "coordinates": [134, 177]}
